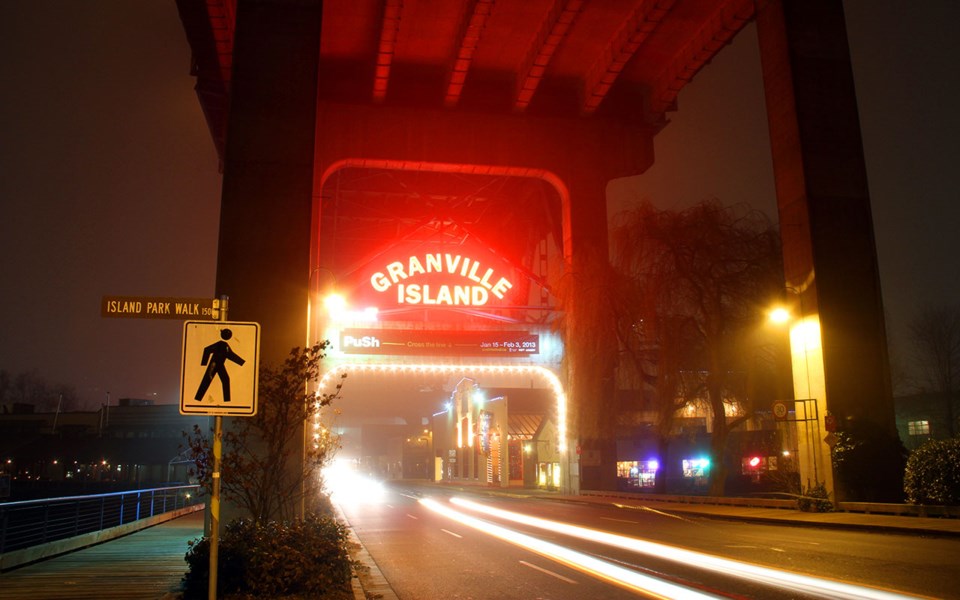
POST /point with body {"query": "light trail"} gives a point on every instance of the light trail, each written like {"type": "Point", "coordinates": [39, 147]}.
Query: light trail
{"type": "Point", "coordinates": [632, 580]}
{"type": "Point", "coordinates": [822, 588]}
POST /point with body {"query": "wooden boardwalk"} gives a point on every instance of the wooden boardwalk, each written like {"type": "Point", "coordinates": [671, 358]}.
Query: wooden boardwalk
{"type": "Point", "coordinates": [147, 564]}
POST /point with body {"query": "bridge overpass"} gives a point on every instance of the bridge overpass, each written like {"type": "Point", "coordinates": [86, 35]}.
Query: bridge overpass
{"type": "Point", "coordinates": [313, 105]}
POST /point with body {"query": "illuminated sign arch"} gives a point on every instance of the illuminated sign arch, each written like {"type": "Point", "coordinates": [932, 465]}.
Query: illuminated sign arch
{"type": "Point", "coordinates": [478, 282]}
{"type": "Point", "coordinates": [544, 373]}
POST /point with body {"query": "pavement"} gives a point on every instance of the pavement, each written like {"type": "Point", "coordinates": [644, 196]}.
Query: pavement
{"type": "Point", "coordinates": [374, 584]}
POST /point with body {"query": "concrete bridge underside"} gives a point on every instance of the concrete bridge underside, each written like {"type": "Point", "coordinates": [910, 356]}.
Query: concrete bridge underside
{"type": "Point", "coordinates": [572, 91]}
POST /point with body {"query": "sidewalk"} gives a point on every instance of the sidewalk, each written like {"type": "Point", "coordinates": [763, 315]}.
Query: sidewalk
{"type": "Point", "coordinates": [145, 565]}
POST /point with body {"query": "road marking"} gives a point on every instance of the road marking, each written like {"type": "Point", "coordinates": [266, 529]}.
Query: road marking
{"type": "Point", "coordinates": [548, 572]}
{"type": "Point", "coordinates": [653, 510]}
{"type": "Point", "coordinates": [619, 520]}
{"type": "Point", "coordinates": [456, 535]}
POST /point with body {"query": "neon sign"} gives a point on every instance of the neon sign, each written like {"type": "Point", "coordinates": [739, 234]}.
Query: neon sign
{"type": "Point", "coordinates": [416, 281]}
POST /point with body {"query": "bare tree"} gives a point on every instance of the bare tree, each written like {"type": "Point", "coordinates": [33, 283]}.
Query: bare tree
{"type": "Point", "coordinates": [264, 470]}
{"type": "Point", "coordinates": [935, 334]}
{"type": "Point", "coordinates": [30, 387]}
{"type": "Point", "coordinates": [695, 283]}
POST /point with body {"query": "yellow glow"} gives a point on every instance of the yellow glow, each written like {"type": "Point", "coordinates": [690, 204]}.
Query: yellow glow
{"type": "Point", "coordinates": [807, 358]}
{"type": "Point", "coordinates": [805, 335]}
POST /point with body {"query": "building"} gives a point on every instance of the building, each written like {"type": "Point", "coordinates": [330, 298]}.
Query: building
{"type": "Point", "coordinates": [927, 416]}
{"type": "Point", "coordinates": [134, 444]}
{"type": "Point", "coordinates": [497, 437]}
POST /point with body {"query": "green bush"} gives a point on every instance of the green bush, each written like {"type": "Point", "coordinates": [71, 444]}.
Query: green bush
{"type": "Point", "coordinates": [304, 558]}
{"type": "Point", "coordinates": [933, 473]}
{"type": "Point", "coordinates": [815, 499]}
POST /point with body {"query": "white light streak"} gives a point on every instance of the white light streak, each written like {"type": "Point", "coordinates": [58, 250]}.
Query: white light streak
{"type": "Point", "coordinates": [822, 588]}
{"type": "Point", "coordinates": [593, 566]}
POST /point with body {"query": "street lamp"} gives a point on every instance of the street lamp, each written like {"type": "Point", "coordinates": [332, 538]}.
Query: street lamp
{"type": "Point", "coordinates": [779, 315]}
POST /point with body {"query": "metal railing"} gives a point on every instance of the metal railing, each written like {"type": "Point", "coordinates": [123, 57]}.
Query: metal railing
{"type": "Point", "coordinates": [32, 522]}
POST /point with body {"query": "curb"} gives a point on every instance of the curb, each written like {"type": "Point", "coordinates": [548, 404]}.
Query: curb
{"type": "Point", "coordinates": [370, 584]}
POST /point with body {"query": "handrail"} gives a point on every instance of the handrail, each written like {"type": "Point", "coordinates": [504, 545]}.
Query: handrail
{"type": "Point", "coordinates": [26, 523]}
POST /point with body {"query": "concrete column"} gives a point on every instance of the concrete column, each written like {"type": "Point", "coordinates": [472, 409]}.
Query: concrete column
{"type": "Point", "coordinates": [839, 343]}
{"type": "Point", "coordinates": [263, 261]}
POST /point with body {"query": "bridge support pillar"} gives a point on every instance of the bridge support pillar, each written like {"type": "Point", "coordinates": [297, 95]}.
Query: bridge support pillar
{"type": "Point", "coordinates": [839, 341]}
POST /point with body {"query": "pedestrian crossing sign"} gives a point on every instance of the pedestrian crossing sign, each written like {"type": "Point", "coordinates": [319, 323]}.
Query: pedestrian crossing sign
{"type": "Point", "coordinates": [219, 372]}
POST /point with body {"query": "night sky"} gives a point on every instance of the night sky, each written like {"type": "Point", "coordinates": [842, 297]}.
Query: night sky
{"type": "Point", "coordinates": [109, 182]}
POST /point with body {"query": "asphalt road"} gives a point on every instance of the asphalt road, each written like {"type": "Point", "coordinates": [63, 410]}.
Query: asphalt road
{"type": "Point", "coordinates": [428, 548]}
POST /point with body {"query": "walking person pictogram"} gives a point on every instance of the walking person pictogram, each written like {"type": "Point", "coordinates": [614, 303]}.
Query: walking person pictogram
{"type": "Point", "coordinates": [215, 357]}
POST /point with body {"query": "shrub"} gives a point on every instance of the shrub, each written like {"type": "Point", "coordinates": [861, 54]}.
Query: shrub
{"type": "Point", "coordinates": [933, 473]}
{"type": "Point", "coordinates": [815, 499]}
{"type": "Point", "coordinates": [274, 560]}
{"type": "Point", "coordinates": [862, 443]}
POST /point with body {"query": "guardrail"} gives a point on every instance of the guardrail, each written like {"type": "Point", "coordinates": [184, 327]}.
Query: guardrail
{"type": "Point", "coordinates": [29, 523]}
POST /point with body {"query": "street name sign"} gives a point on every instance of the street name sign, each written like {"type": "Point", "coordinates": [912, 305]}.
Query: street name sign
{"type": "Point", "coordinates": [219, 373]}
{"type": "Point", "coordinates": [141, 307]}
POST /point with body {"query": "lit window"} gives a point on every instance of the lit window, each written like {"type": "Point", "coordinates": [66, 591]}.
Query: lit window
{"type": "Point", "coordinates": [918, 427]}
{"type": "Point", "coordinates": [626, 469]}
{"type": "Point", "coordinates": [638, 473]}
{"type": "Point", "coordinates": [696, 468]}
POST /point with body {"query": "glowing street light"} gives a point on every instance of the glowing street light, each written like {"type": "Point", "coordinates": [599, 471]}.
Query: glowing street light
{"type": "Point", "coordinates": [335, 304]}
{"type": "Point", "coordinates": [779, 315]}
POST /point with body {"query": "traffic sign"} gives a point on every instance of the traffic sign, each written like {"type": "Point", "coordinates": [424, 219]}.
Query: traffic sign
{"type": "Point", "coordinates": [219, 373]}
{"type": "Point", "coordinates": [829, 422]}
{"type": "Point", "coordinates": [143, 307]}
{"type": "Point", "coordinates": [780, 410]}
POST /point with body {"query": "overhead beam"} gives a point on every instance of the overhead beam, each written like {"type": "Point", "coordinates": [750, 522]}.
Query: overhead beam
{"type": "Point", "coordinates": [551, 34]}
{"type": "Point", "coordinates": [386, 48]}
{"type": "Point", "coordinates": [717, 32]}
{"type": "Point", "coordinates": [628, 39]}
{"type": "Point", "coordinates": [209, 27]}
{"type": "Point", "coordinates": [479, 11]}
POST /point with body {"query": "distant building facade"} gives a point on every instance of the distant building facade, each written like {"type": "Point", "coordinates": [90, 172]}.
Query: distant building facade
{"type": "Point", "coordinates": [927, 416]}
{"type": "Point", "coordinates": [134, 444]}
